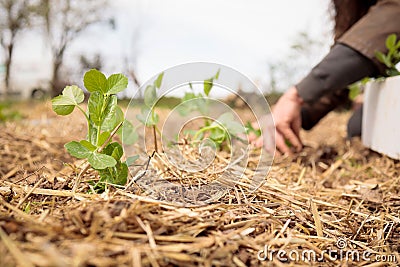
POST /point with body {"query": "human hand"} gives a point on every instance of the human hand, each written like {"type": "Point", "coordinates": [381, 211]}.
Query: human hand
{"type": "Point", "coordinates": [287, 117]}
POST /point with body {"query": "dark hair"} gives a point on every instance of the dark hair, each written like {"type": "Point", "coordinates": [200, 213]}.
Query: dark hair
{"type": "Point", "coordinates": [348, 12]}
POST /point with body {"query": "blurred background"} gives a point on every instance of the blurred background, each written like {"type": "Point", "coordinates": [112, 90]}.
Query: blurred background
{"type": "Point", "coordinates": [46, 44]}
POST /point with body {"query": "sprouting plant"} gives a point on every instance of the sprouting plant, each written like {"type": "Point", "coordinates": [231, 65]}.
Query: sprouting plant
{"type": "Point", "coordinates": [104, 119]}
{"type": "Point", "coordinates": [250, 129]}
{"type": "Point", "coordinates": [356, 88]}
{"type": "Point", "coordinates": [148, 115]}
{"type": "Point", "coordinates": [392, 58]}
{"type": "Point", "coordinates": [221, 130]}
{"type": "Point", "coordinates": [200, 100]}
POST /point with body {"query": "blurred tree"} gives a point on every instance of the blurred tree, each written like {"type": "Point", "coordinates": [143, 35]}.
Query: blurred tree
{"type": "Point", "coordinates": [88, 63]}
{"type": "Point", "coordinates": [305, 51]}
{"type": "Point", "coordinates": [64, 21]}
{"type": "Point", "coordinates": [14, 17]}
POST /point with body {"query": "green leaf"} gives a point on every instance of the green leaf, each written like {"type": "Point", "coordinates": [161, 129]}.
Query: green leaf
{"type": "Point", "coordinates": [158, 81]}
{"type": "Point", "coordinates": [95, 81]}
{"type": "Point", "coordinates": [109, 111]}
{"type": "Point", "coordinates": [77, 150]}
{"type": "Point", "coordinates": [95, 107]}
{"type": "Point", "coordinates": [217, 74]}
{"type": "Point", "coordinates": [110, 123]}
{"type": "Point", "coordinates": [208, 84]}
{"type": "Point", "coordinates": [147, 117]}
{"type": "Point", "coordinates": [131, 160]}
{"type": "Point", "coordinates": [71, 96]}
{"type": "Point", "coordinates": [114, 149]}
{"type": "Point", "coordinates": [115, 175]}
{"type": "Point", "coordinates": [233, 127]}
{"type": "Point", "coordinates": [188, 96]}
{"type": "Point", "coordinates": [116, 83]}
{"type": "Point", "coordinates": [128, 133]}
{"type": "Point", "coordinates": [101, 108]}
{"type": "Point", "coordinates": [88, 145]}
{"type": "Point", "coordinates": [103, 138]}
{"type": "Point", "coordinates": [391, 41]}
{"type": "Point", "coordinates": [150, 96]}
{"type": "Point", "coordinates": [250, 129]}
{"type": "Point", "coordinates": [101, 161]}
{"type": "Point", "coordinates": [384, 59]}
{"type": "Point", "coordinates": [92, 133]}
{"type": "Point", "coordinates": [218, 134]}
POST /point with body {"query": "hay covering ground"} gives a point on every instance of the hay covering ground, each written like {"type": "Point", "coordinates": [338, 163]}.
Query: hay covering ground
{"type": "Point", "coordinates": [334, 190]}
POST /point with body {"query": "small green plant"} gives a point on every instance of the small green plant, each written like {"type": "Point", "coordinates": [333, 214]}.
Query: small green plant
{"type": "Point", "coordinates": [221, 130]}
{"type": "Point", "coordinates": [201, 102]}
{"type": "Point", "coordinates": [7, 113]}
{"type": "Point", "coordinates": [392, 58]}
{"type": "Point", "coordinates": [104, 119]}
{"type": "Point", "coordinates": [148, 115]}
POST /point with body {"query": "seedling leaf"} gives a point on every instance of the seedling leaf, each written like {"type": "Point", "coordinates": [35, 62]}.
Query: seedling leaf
{"type": "Point", "coordinates": [150, 96]}
{"type": "Point", "coordinates": [95, 81]}
{"type": "Point", "coordinates": [77, 150]}
{"type": "Point", "coordinates": [391, 41]}
{"type": "Point", "coordinates": [64, 104]}
{"type": "Point", "coordinates": [208, 84]}
{"type": "Point", "coordinates": [114, 149]}
{"type": "Point", "coordinates": [101, 161]}
{"type": "Point", "coordinates": [131, 160]}
{"type": "Point", "coordinates": [115, 175]}
{"type": "Point", "coordinates": [158, 81]}
{"type": "Point", "coordinates": [103, 138]}
{"type": "Point", "coordinates": [116, 83]}
{"type": "Point", "coordinates": [128, 133]}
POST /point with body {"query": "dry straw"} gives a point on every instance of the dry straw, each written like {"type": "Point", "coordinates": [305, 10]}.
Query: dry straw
{"type": "Point", "coordinates": [330, 192]}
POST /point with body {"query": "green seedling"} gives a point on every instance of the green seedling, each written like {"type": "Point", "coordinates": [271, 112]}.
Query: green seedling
{"type": "Point", "coordinates": [392, 58]}
{"type": "Point", "coordinates": [201, 102]}
{"type": "Point", "coordinates": [104, 119]}
{"type": "Point", "coordinates": [148, 115]}
{"type": "Point", "coordinates": [221, 131]}
{"type": "Point", "coordinates": [250, 129]}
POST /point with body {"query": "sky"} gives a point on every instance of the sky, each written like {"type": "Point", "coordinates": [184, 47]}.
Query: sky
{"type": "Point", "coordinates": [157, 34]}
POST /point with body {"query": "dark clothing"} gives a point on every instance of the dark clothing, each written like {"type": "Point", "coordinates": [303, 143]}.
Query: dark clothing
{"type": "Point", "coordinates": [350, 59]}
{"type": "Point", "coordinates": [369, 34]}
{"type": "Point", "coordinates": [341, 67]}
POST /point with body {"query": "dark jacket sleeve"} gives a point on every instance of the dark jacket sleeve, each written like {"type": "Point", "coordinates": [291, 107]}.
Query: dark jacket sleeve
{"type": "Point", "coordinates": [340, 68]}
{"type": "Point", "coordinates": [369, 33]}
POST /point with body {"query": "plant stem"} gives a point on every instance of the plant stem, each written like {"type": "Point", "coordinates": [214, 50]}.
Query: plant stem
{"type": "Point", "coordinates": [203, 130]}
{"type": "Point", "coordinates": [155, 138]}
{"type": "Point", "coordinates": [84, 113]}
{"type": "Point", "coordinates": [87, 166]}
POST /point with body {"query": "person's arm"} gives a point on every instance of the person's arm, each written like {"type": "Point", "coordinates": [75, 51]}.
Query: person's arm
{"type": "Point", "coordinates": [340, 68]}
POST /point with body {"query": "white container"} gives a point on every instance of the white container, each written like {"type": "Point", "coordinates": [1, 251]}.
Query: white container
{"type": "Point", "coordinates": [381, 117]}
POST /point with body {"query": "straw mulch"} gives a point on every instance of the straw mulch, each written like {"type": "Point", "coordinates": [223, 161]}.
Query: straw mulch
{"type": "Point", "coordinates": [332, 191]}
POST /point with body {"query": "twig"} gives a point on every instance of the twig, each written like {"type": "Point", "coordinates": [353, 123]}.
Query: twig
{"type": "Point", "coordinates": [155, 138]}
{"type": "Point", "coordinates": [29, 193]}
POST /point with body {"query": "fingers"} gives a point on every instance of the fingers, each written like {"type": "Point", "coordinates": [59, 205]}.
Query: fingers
{"type": "Point", "coordinates": [281, 145]}
{"type": "Point", "coordinates": [289, 134]}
